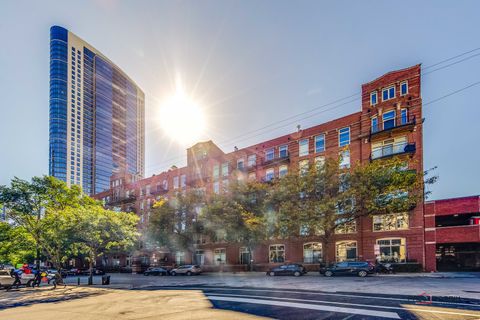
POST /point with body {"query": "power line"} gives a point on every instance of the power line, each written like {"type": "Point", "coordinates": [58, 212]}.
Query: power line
{"type": "Point", "coordinates": [332, 108]}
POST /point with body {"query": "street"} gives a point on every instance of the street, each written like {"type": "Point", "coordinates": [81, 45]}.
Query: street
{"type": "Point", "coordinates": [455, 296]}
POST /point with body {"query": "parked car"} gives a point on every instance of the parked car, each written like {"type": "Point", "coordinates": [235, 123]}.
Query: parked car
{"type": "Point", "coordinates": [188, 270]}
{"type": "Point", "coordinates": [155, 271]}
{"type": "Point", "coordinates": [7, 279]}
{"type": "Point", "coordinates": [292, 269]}
{"type": "Point", "coordinates": [359, 268]}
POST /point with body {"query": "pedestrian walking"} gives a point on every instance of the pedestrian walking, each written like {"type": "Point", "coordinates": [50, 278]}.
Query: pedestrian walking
{"type": "Point", "coordinates": [17, 281]}
{"type": "Point", "coordinates": [58, 279]}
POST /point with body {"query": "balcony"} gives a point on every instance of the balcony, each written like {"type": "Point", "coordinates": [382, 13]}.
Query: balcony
{"type": "Point", "coordinates": [458, 234]}
{"type": "Point", "coordinates": [392, 150]}
{"type": "Point", "coordinates": [387, 129]}
{"type": "Point", "coordinates": [159, 192]}
{"type": "Point", "coordinates": [285, 158]}
{"type": "Point", "coordinates": [122, 200]}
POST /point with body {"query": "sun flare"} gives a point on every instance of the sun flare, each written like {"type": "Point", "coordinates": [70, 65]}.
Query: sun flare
{"type": "Point", "coordinates": [182, 119]}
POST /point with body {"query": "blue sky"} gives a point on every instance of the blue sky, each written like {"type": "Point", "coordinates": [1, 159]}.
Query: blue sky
{"type": "Point", "coordinates": [249, 63]}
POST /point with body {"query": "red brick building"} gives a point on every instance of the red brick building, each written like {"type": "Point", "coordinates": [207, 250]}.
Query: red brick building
{"type": "Point", "coordinates": [452, 234]}
{"type": "Point", "coordinates": [389, 123]}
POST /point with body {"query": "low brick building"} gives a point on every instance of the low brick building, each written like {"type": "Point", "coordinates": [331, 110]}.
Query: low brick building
{"type": "Point", "coordinates": [452, 234]}
{"type": "Point", "coordinates": [389, 123]}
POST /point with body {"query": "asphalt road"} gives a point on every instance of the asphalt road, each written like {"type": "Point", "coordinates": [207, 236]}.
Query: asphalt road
{"type": "Point", "coordinates": [307, 304]}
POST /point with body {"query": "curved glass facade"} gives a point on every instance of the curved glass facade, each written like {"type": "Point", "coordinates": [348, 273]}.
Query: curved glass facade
{"type": "Point", "coordinates": [96, 115]}
{"type": "Point", "coordinates": [58, 102]}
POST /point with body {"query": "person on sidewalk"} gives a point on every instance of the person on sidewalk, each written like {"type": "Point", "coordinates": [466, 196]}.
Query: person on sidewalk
{"type": "Point", "coordinates": [17, 281]}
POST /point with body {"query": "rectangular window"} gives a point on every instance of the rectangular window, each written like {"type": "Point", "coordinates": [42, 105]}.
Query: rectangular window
{"type": "Point", "coordinates": [269, 154]}
{"type": "Point", "coordinates": [319, 162]}
{"type": "Point", "coordinates": [346, 251]}
{"type": "Point", "coordinates": [303, 167]}
{"type": "Point", "coordinates": [388, 120]}
{"type": "Point", "coordinates": [283, 151]}
{"type": "Point", "coordinates": [374, 124]}
{"type": "Point", "coordinates": [175, 182]}
{"type": "Point", "coordinates": [269, 174]}
{"type": "Point", "coordinates": [282, 171]}
{"type": "Point", "coordinates": [312, 252]}
{"type": "Point", "coordinates": [240, 164]}
{"type": "Point", "coordinates": [220, 256]}
{"type": "Point", "coordinates": [276, 253]}
{"type": "Point", "coordinates": [403, 88]}
{"type": "Point", "coordinates": [392, 250]}
{"type": "Point", "coordinates": [344, 137]}
{"type": "Point", "coordinates": [389, 222]}
{"type": "Point", "coordinates": [183, 181]}
{"type": "Point", "coordinates": [404, 116]}
{"type": "Point", "coordinates": [388, 93]}
{"type": "Point", "coordinates": [373, 98]}
{"type": "Point", "coordinates": [303, 147]}
{"type": "Point", "coordinates": [225, 169]}
{"type": "Point", "coordinates": [345, 159]}
{"type": "Point", "coordinates": [320, 143]}
{"type": "Point", "coordinates": [252, 160]}
{"type": "Point", "coordinates": [216, 171]}
{"type": "Point", "coordinates": [216, 187]}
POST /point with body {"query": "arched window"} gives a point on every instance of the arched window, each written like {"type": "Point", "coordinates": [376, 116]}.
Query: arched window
{"type": "Point", "coordinates": [346, 250]}
{"type": "Point", "coordinates": [392, 250]}
{"type": "Point", "coordinates": [312, 252]}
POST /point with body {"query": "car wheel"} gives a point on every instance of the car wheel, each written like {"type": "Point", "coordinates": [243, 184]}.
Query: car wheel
{"type": "Point", "coordinates": [328, 273]}
{"type": "Point", "coordinates": [174, 273]}
{"type": "Point", "coordinates": [189, 273]}
{"type": "Point", "coordinates": [272, 273]}
{"type": "Point", "coordinates": [297, 274]}
{"type": "Point", "coordinates": [362, 273]}
{"type": "Point", "coordinates": [29, 283]}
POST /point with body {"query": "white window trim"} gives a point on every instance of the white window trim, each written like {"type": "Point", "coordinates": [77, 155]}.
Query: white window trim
{"type": "Point", "coordinates": [280, 148]}
{"type": "Point", "coordinates": [394, 118]}
{"type": "Point", "coordinates": [388, 89]}
{"type": "Point", "coordinates": [284, 252]}
{"type": "Point", "coordinates": [371, 95]}
{"type": "Point", "coordinates": [401, 83]}
{"type": "Point", "coordinates": [349, 136]}
{"type": "Point", "coordinates": [324, 143]}
{"type": "Point", "coordinates": [300, 146]}
{"type": "Point", "coordinates": [342, 242]}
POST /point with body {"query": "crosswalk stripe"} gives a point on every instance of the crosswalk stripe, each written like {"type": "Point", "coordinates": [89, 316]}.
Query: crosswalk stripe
{"type": "Point", "coordinates": [365, 312]}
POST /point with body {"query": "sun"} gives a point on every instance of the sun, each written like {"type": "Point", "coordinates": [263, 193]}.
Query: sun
{"type": "Point", "coordinates": [182, 119]}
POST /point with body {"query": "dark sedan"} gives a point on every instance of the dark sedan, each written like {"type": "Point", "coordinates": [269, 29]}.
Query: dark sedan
{"type": "Point", "coordinates": [287, 270]}
{"type": "Point", "coordinates": [155, 272]}
{"type": "Point", "coordinates": [357, 268]}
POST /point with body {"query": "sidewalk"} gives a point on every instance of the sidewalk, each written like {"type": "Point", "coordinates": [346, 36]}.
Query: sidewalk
{"type": "Point", "coordinates": [95, 303]}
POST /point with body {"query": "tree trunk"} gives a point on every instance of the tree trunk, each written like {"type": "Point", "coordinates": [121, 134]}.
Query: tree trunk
{"type": "Point", "coordinates": [92, 260]}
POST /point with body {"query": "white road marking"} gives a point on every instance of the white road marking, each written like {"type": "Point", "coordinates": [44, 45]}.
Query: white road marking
{"type": "Point", "coordinates": [317, 293]}
{"type": "Point", "coordinates": [352, 304]}
{"type": "Point", "coordinates": [365, 312]}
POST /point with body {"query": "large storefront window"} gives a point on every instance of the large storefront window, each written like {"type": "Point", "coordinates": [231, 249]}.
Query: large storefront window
{"type": "Point", "coordinates": [180, 258]}
{"type": "Point", "coordinates": [387, 222]}
{"type": "Point", "coordinates": [277, 253]}
{"type": "Point", "coordinates": [392, 250]}
{"type": "Point", "coordinates": [220, 256]}
{"type": "Point", "coordinates": [245, 255]}
{"type": "Point", "coordinates": [312, 252]}
{"type": "Point", "coordinates": [346, 250]}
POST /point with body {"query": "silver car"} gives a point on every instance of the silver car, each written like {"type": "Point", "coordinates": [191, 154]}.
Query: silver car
{"type": "Point", "coordinates": [6, 280]}
{"type": "Point", "coordinates": [188, 270]}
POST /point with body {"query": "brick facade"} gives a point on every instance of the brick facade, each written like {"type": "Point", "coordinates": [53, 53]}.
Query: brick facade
{"type": "Point", "coordinates": [401, 135]}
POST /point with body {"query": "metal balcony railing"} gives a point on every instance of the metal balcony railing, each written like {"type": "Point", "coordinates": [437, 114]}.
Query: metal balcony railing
{"type": "Point", "coordinates": [275, 160]}
{"type": "Point", "coordinates": [395, 124]}
{"type": "Point", "coordinates": [392, 149]}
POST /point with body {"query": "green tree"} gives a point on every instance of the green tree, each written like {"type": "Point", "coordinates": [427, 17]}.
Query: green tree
{"type": "Point", "coordinates": [327, 198]}
{"type": "Point", "coordinates": [97, 231]}
{"type": "Point", "coordinates": [15, 244]}
{"type": "Point", "coordinates": [174, 222]}
{"type": "Point", "coordinates": [240, 215]}
{"type": "Point", "coordinates": [29, 203]}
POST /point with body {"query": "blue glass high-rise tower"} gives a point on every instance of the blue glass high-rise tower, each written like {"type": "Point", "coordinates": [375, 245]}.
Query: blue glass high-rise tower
{"type": "Point", "coordinates": [97, 116]}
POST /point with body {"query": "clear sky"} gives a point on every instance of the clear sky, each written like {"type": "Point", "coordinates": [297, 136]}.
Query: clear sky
{"type": "Point", "coordinates": [249, 64]}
